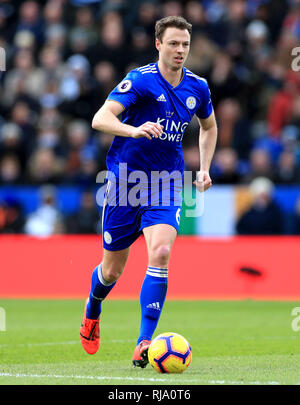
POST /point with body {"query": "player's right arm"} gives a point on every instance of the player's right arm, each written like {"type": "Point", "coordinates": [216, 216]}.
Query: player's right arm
{"type": "Point", "coordinates": [106, 120]}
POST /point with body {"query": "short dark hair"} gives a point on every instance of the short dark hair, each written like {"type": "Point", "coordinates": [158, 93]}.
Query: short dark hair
{"type": "Point", "coordinates": [171, 21]}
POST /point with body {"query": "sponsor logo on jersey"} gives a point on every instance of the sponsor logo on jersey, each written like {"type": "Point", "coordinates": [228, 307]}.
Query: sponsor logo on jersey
{"type": "Point", "coordinates": [173, 131]}
{"type": "Point", "coordinates": [161, 98]}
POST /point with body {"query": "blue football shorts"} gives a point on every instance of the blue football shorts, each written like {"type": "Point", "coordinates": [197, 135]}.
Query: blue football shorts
{"type": "Point", "coordinates": [127, 210]}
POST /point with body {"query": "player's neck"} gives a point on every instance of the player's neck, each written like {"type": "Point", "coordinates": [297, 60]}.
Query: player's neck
{"type": "Point", "coordinates": [174, 77]}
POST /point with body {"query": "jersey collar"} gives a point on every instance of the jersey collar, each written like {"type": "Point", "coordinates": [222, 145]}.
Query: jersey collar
{"type": "Point", "coordinates": [169, 84]}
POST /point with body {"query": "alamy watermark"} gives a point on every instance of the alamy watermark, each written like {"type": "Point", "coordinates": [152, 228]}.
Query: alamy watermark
{"type": "Point", "coordinates": [2, 60]}
{"type": "Point", "coordinates": [155, 188]}
{"type": "Point", "coordinates": [2, 320]}
{"type": "Point", "coordinates": [296, 61]}
{"type": "Point", "coordinates": [296, 321]}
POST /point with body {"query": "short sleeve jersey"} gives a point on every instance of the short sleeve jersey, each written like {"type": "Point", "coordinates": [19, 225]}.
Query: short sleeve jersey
{"type": "Point", "coordinates": [147, 96]}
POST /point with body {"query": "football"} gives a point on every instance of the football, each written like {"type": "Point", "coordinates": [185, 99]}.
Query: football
{"type": "Point", "coordinates": [170, 353]}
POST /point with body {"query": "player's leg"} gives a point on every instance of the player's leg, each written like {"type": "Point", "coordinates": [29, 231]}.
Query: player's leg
{"type": "Point", "coordinates": [159, 239]}
{"type": "Point", "coordinates": [116, 241]}
{"type": "Point", "coordinates": [104, 278]}
{"type": "Point", "coordinates": [120, 228]}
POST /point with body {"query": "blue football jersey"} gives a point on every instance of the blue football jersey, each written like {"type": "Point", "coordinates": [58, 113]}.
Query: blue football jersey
{"type": "Point", "coordinates": [147, 96]}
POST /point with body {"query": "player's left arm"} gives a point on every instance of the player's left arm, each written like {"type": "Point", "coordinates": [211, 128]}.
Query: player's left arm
{"type": "Point", "coordinates": [207, 144]}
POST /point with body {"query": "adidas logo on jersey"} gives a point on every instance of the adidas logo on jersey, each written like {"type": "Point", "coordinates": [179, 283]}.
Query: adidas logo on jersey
{"type": "Point", "coordinates": [154, 305]}
{"type": "Point", "coordinates": [161, 98]}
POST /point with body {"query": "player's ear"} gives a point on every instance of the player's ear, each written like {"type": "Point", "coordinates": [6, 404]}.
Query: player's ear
{"type": "Point", "coordinates": [157, 44]}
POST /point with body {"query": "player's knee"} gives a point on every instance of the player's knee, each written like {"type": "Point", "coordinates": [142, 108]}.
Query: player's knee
{"type": "Point", "coordinates": [111, 273]}
{"type": "Point", "coordinates": [160, 254]}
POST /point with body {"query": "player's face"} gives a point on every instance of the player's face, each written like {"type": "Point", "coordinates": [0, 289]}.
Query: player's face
{"type": "Point", "coordinates": [174, 47]}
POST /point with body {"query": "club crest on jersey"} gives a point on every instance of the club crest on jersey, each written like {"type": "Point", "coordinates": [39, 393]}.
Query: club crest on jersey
{"type": "Point", "coordinates": [107, 237]}
{"type": "Point", "coordinates": [191, 102]}
{"type": "Point", "coordinates": [124, 86]}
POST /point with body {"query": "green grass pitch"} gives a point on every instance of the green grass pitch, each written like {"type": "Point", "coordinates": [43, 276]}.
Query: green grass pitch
{"type": "Point", "coordinates": [233, 342]}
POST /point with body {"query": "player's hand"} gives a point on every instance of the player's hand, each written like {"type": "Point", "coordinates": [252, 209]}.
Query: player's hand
{"type": "Point", "coordinates": [203, 181]}
{"type": "Point", "coordinates": [148, 130]}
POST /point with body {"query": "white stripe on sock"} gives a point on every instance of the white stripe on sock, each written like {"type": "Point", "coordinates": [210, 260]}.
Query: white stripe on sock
{"type": "Point", "coordinates": [157, 272]}
{"type": "Point", "coordinates": [158, 268]}
{"type": "Point", "coordinates": [157, 275]}
{"type": "Point", "coordinates": [100, 276]}
{"type": "Point", "coordinates": [162, 271]}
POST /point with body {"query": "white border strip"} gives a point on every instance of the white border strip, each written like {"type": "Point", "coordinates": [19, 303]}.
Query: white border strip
{"type": "Point", "coordinates": [169, 380]}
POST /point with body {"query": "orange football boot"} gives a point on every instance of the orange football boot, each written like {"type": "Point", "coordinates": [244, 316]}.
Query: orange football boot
{"type": "Point", "coordinates": [89, 333]}
{"type": "Point", "coordinates": [140, 354]}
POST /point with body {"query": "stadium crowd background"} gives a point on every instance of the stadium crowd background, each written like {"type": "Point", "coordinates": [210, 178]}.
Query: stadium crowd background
{"type": "Point", "coordinates": [63, 58]}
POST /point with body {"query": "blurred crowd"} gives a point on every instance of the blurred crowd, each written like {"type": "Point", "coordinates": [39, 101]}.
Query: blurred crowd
{"type": "Point", "coordinates": [63, 57]}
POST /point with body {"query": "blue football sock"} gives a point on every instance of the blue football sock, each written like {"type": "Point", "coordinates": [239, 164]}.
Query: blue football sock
{"type": "Point", "coordinates": [152, 298]}
{"type": "Point", "coordinates": [99, 290]}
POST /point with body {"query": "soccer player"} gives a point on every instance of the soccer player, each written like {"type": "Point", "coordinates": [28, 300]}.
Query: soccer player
{"type": "Point", "coordinates": [157, 102]}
